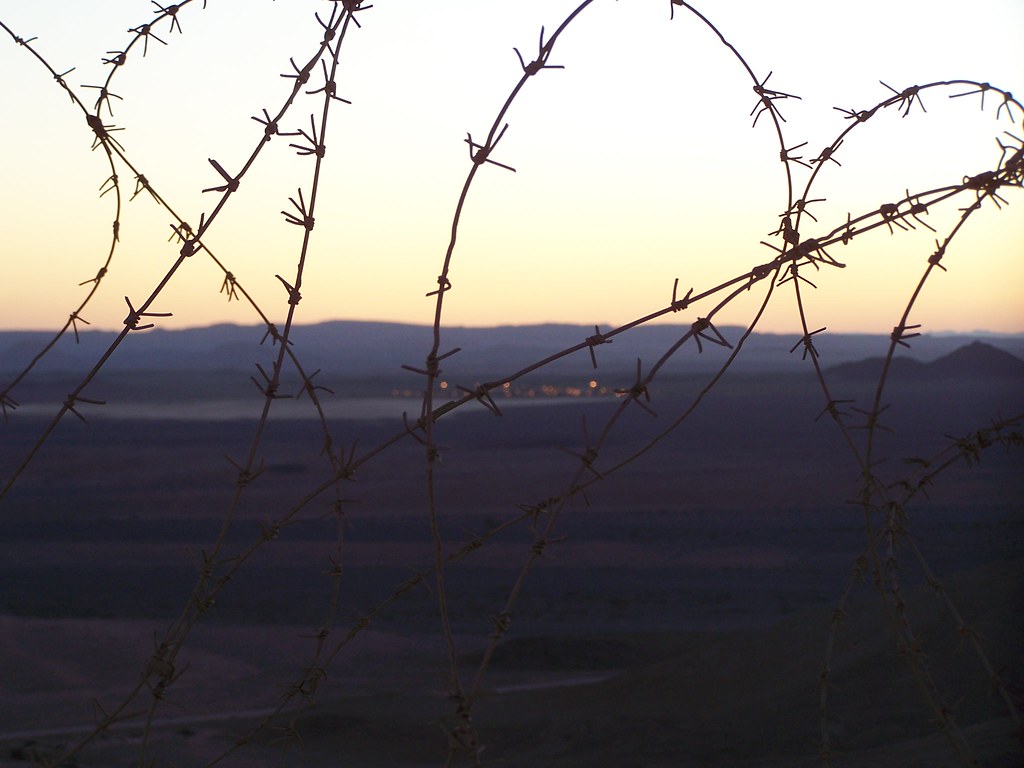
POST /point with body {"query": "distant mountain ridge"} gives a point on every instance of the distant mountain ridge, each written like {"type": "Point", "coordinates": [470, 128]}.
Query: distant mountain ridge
{"type": "Point", "coordinates": [976, 359]}
{"type": "Point", "coordinates": [360, 349]}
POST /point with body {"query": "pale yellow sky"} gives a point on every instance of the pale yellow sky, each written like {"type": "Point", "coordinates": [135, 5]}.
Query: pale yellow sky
{"type": "Point", "coordinates": [635, 165]}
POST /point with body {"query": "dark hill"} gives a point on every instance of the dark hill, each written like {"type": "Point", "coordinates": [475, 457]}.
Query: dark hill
{"type": "Point", "coordinates": [975, 360]}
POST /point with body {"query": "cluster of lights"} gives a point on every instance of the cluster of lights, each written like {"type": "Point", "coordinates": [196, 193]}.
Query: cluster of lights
{"type": "Point", "coordinates": [590, 389]}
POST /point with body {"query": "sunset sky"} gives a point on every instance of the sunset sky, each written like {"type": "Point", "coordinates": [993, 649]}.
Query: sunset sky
{"type": "Point", "coordinates": [635, 165]}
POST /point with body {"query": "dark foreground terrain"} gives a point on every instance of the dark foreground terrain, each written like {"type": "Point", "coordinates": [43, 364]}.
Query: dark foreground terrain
{"type": "Point", "coordinates": [679, 615]}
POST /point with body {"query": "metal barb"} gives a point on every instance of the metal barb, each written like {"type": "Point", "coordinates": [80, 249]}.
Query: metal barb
{"type": "Point", "coordinates": [899, 333]}
{"type": "Point", "coordinates": [808, 344]}
{"type": "Point", "coordinates": [982, 89]}
{"type": "Point", "coordinates": [315, 146]}
{"type": "Point", "coordinates": [784, 155]}
{"type": "Point", "coordinates": [905, 99]}
{"type": "Point", "coordinates": [304, 220]}
{"type": "Point", "coordinates": [482, 395]}
{"type": "Point", "coordinates": [637, 390]}
{"type": "Point", "coordinates": [541, 62]}
{"type": "Point", "coordinates": [229, 286]}
{"type": "Point", "coordinates": [74, 319]}
{"type": "Point", "coordinates": [329, 88]}
{"type": "Point", "coordinates": [231, 182]}
{"type": "Point", "coordinates": [677, 305]}
{"type": "Point", "coordinates": [766, 100]}
{"type": "Point", "coordinates": [134, 316]}
{"type": "Point", "coordinates": [145, 31]}
{"type": "Point", "coordinates": [294, 297]}
{"type": "Point", "coordinates": [171, 11]}
{"type": "Point", "coordinates": [479, 153]}
{"type": "Point", "coordinates": [703, 324]}
{"type": "Point", "coordinates": [444, 283]}
{"type": "Point", "coordinates": [827, 152]}
{"type": "Point", "coordinates": [592, 341]}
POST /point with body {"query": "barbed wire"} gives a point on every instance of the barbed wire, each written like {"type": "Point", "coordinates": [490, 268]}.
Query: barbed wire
{"type": "Point", "coordinates": [885, 523]}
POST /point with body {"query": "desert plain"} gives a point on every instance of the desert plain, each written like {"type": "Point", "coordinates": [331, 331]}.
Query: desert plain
{"type": "Point", "coordinates": [680, 614]}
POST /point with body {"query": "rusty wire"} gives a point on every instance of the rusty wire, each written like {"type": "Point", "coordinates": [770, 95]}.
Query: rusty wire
{"type": "Point", "coordinates": [883, 510]}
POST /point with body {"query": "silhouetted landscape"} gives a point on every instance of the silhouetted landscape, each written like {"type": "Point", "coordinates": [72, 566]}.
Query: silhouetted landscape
{"type": "Point", "coordinates": [665, 537]}
{"type": "Point", "coordinates": [362, 359]}
{"type": "Point", "coordinates": [737, 549]}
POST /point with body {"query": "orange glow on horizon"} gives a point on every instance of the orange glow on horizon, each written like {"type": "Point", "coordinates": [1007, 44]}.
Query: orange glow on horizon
{"type": "Point", "coordinates": [632, 172]}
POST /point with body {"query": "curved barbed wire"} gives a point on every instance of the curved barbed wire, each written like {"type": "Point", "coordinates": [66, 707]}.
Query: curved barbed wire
{"type": "Point", "coordinates": [161, 668]}
{"type": "Point", "coordinates": [785, 268]}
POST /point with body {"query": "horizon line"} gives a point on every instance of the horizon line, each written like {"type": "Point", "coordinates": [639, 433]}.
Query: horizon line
{"type": "Point", "coordinates": [605, 325]}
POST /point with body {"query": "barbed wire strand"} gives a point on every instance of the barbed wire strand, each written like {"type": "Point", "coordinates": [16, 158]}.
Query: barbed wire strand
{"type": "Point", "coordinates": [793, 254]}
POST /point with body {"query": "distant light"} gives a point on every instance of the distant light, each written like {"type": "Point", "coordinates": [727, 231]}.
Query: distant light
{"type": "Point", "coordinates": [592, 384]}
{"type": "Point", "coordinates": [444, 385]}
